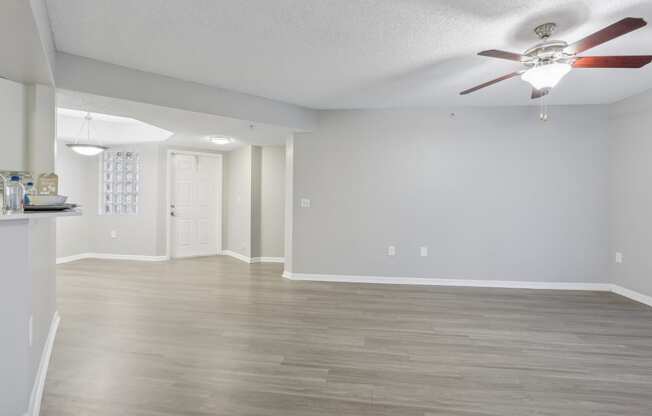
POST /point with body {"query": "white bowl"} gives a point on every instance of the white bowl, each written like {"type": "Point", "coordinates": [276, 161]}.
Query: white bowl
{"type": "Point", "coordinates": [47, 199]}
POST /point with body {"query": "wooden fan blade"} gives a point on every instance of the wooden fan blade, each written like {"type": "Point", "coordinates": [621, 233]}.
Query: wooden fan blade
{"type": "Point", "coordinates": [620, 28]}
{"type": "Point", "coordinates": [495, 53]}
{"type": "Point", "coordinates": [539, 93]}
{"type": "Point", "coordinates": [635, 61]}
{"type": "Point", "coordinates": [493, 81]}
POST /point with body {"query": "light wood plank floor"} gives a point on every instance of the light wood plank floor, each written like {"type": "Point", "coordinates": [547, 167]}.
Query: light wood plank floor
{"type": "Point", "coordinates": [214, 336]}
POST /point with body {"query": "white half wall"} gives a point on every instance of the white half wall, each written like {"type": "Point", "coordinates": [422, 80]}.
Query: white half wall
{"type": "Point", "coordinates": [495, 194]}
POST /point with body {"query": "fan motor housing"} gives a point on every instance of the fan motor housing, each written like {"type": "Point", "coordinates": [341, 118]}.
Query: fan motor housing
{"type": "Point", "coordinates": [546, 53]}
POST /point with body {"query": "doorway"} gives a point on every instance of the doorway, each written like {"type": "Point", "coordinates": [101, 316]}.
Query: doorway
{"type": "Point", "coordinates": [195, 204]}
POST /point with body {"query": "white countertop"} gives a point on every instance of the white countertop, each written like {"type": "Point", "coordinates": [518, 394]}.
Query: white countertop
{"type": "Point", "coordinates": [40, 215]}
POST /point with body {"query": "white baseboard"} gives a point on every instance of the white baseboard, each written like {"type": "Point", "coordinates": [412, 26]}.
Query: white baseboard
{"type": "Point", "coordinates": [250, 260]}
{"type": "Point", "coordinates": [447, 282]}
{"type": "Point", "coordinates": [70, 259]}
{"type": "Point", "coordinates": [235, 255]}
{"type": "Point", "coordinates": [39, 382]}
{"type": "Point", "coordinates": [268, 260]}
{"type": "Point", "coordinates": [596, 287]}
{"type": "Point", "coordinates": [132, 257]}
{"type": "Point", "coordinates": [638, 297]}
{"type": "Point", "coordinates": [108, 256]}
{"type": "Point", "coordinates": [510, 284]}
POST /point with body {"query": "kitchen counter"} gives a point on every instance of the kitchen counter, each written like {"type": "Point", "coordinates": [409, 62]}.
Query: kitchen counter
{"type": "Point", "coordinates": [41, 215]}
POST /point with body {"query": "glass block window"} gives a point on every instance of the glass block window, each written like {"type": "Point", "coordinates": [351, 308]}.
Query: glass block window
{"type": "Point", "coordinates": [120, 182]}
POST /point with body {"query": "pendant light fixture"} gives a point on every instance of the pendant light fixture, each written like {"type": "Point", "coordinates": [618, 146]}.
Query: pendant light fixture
{"type": "Point", "coordinates": [87, 148]}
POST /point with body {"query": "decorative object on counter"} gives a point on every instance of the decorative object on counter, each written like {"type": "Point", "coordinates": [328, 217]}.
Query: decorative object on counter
{"type": "Point", "coordinates": [48, 184]}
{"type": "Point", "coordinates": [87, 148]}
{"type": "Point", "coordinates": [14, 196]}
{"type": "Point", "coordinates": [30, 192]}
{"type": "Point", "coordinates": [48, 199]}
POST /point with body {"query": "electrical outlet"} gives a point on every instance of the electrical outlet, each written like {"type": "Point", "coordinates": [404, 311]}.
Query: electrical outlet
{"type": "Point", "coordinates": [31, 330]}
{"type": "Point", "coordinates": [304, 203]}
{"type": "Point", "coordinates": [423, 251]}
{"type": "Point", "coordinates": [114, 234]}
{"type": "Point", "coordinates": [619, 257]}
{"type": "Point", "coordinates": [391, 251]}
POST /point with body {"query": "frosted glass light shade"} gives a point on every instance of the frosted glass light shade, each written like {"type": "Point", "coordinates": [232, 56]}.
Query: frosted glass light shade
{"type": "Point", "coordinates": [546, 76]}
{"type": "Point", "coordinates": [87, 149]}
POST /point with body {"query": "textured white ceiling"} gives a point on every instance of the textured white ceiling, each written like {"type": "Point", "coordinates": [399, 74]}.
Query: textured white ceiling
{"type": "Point", "coordinates": [351, 53]}
{"type": "Point", "coordinates": [189, 129]}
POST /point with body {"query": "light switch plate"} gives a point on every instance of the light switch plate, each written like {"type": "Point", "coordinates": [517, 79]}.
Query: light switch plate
{"type": "Point", "coordinates": [304, 203]}
{"type": "Point", "coordinates": [423, 251]}
{"type": "Point", "coordinates": [619, 258]}
{"type": "Point", "coordinates": [391, 251]}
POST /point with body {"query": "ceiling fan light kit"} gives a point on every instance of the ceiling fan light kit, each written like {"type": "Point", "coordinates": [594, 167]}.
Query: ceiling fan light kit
{"type": "Point", "coordinates": [546, 76]}
{"type": "Point", "coordinates": [547, 62]}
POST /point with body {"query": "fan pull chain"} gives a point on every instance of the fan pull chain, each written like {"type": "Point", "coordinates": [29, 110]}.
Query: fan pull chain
{"type": "Point", "coordinates": [543, 114]}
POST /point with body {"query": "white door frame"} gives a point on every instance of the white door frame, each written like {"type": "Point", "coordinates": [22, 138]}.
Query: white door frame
{"type": "Point", "coordinates": [168, 197]}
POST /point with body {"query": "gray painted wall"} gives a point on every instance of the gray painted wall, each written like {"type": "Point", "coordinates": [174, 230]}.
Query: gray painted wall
{"type": "Point", "coordinates": [254, 201]}
{"type": "Point", "coordinates": [13, 119]}
{"type": "Point", "coordinates": [136, 234]}
{"type": "Point", "coordinates": [272, 200]}
{"type": "Point", "coordinates": [75, 181]}
{"type": "Point", "coordinates": [631, 199]}
{"type": "Point", "coordinates": [41, 128]}
{"type": "Point", "coordinates": [237, 201]}
{"type": "Point", "coordinates": [252, 204]}
{"type": "Point", "coordinates": [494, 193]}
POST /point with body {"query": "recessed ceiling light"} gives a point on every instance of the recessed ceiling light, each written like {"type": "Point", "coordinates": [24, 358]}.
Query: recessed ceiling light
{"type": "Point", "coordinates": [220, 140]}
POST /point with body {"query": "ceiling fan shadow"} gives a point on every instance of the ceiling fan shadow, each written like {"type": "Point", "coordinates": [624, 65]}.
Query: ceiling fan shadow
{"type": "Point", "coordinates": [488, 9]}
{"type": "Point", "coordinates": [417, 87]}
{"type": "Point", "coordinates": [567, 18]}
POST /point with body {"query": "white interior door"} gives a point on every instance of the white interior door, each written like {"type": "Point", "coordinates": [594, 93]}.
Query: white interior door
{"type": "Point", "coordinates": [195, 205]}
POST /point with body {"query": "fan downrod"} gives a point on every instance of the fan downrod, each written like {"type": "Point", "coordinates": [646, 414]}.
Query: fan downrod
{"type": "Point", "coordinates": [545, 30]}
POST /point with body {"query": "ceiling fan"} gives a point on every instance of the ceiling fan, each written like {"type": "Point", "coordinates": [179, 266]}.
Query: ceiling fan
{"type": "Point", "coordinates": [549, 61]}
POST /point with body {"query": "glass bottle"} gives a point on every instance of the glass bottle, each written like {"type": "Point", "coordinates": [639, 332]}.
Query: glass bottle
{"type": "Point", "coordinates": [14, 196]}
